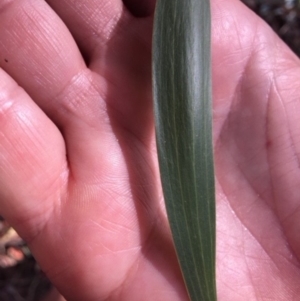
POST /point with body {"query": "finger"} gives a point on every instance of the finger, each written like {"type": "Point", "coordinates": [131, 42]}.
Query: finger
{"type": "Point", "coordinates": [118, 47]}
{"type": "Point", "coordinates": [33, 168]}
{"type": "Point", "coordinates": [91, 22]}
{"type": "Point", "coordinates": [39, 52]}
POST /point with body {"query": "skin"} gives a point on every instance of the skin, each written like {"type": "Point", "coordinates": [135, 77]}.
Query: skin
{"type": "Point", "coordinates": [78, 169]}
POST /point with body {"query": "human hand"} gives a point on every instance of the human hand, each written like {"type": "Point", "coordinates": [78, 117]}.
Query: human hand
{"type": "Point", "coordinates": [79, 178]}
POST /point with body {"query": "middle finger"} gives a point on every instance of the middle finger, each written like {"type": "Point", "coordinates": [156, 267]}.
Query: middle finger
{"type": "Point", "coordinates": [91, 22]}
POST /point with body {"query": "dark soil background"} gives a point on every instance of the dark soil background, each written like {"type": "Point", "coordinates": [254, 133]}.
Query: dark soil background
{"type": "Point", "coordinates": [283, 16]}
{"type": "Point", "coordinates": [20, 277]}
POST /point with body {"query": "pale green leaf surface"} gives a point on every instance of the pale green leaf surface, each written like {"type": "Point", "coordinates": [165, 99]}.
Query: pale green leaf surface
{"type": "Point", "coordinates": [182, 101]}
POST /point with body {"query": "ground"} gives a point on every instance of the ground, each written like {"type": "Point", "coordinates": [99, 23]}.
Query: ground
{"type": "Point", "coordinates": [283, 16]}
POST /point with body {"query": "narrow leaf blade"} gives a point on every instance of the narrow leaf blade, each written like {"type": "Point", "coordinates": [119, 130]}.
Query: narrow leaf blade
{"type": "Point", "coordinates": [182, 102]}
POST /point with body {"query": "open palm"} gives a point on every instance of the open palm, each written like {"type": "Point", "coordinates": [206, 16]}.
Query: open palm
{"type": "Point", "coordinates": [78, 171]}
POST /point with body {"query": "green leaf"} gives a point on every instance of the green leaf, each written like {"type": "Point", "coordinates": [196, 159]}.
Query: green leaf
{"type": "Point", "coordinates": [182, 102]}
